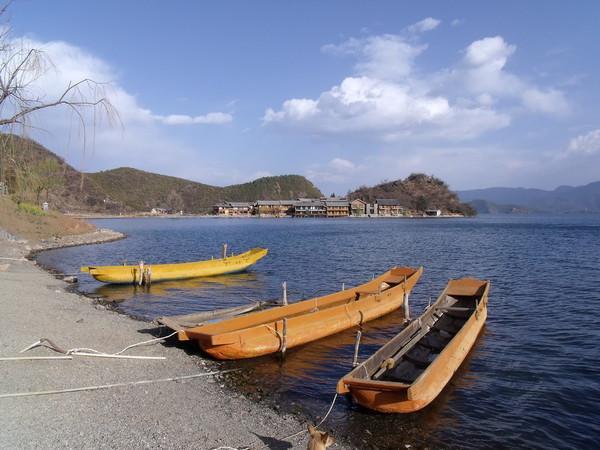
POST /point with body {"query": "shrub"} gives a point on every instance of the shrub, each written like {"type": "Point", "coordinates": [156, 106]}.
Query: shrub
{"type": "Point", "coordinates": [29, 208]}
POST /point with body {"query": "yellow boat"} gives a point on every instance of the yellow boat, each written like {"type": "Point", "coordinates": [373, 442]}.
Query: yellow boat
{"type": "Point", "coordinates": [146, 273]}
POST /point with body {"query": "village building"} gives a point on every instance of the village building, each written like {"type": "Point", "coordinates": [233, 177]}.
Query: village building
{"type": "Point", "coordinates": [433, 213]}
{"type": "Point", "coordinates": [389, 207]}
{"type": "Point", "coordinates": [276, 208]}
{"type": "Point", "coordinates": [233, 208]}
{"type": "Point", "coordinates": [310, 208]}
{"type": "Point", "coordinates": [337, 207]}
{"type": "Point", "coordinates": [359, 207]}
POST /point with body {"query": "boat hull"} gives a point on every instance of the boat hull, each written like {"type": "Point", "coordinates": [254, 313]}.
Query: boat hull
{"type": "Point", "coordinates": [262, 333]}
{"type": "Point", "coordinates": [181, 271]}
{"type": "Point", "coordinates": [394, 397]}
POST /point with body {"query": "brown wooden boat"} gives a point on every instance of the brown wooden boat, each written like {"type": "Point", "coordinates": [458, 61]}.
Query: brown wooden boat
{"type": "Point", "coordinates": [408, 372]}
{"type": "Point", "coordinates": [276, 329]}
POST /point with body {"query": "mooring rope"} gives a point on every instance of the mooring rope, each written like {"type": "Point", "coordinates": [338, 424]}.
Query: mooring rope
{"type": "Point", "coordinates": [107, 386]}
{"type": "Point", "coordinates": [45, 342]}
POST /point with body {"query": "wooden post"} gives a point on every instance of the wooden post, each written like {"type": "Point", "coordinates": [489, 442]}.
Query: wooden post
{"type": "Point", "coordinates": [356, 347]}
{"type": "Point", "coordinates": [343, 286]}
{"type": "Point", "coordinates": [141, 266]}
{"type": "Point", "coordinates": [284, 337]}
{"type": "Point", "coordinates": [285, 300]}
{"type": "Point", "coordinates": [224, 250]}
{"type": "Point", "coordinates": [405, 304]}
{"type": "Point", "coordinates": [148, 276]}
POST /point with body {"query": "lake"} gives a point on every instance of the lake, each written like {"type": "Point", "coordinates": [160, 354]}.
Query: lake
{"type": "Point", "coordinates": [532, 380]}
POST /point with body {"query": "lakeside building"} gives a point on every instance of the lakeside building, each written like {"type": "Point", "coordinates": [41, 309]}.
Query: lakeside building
{"type": "Point", "coordinates": [233, 208]}
{"type": "Point", "coordinates": [337, 207]}
{"type": "Point", "coordinates": [388, 207]}
{"type": "Point", "coordinates": [277, 208]}
{"type": "Point", "coordinates": [359, 208]}
{"type": "Point", "coordinates": [310, 208]}
{"type": "Point", "coordinates": [432, 213]}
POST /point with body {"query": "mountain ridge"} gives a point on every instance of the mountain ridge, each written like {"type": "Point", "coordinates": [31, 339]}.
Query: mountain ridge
{"type": "Point", "coordinates": [563, 199]}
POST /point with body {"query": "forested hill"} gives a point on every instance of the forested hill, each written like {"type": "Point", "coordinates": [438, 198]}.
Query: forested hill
{"type": "Point", "coordinates": [140, 191]}
{"type": "Point", "coordinates": [418, 192]}
{"type": "Point", "coordinates": [130, 190]}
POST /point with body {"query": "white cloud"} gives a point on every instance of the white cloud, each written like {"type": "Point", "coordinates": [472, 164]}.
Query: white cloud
{"type": "Point", "coordinates": [484, 73]}
{"type": "Point", "coordinates": [548, 101]}
{"type": "Point", "coordinates": [210, 118]}
{"type": "Point", "coordinates": [342, 164]}
{"type": "Point", "coordinates": [426, 24]}
{"type": "Point", "coordinates": [68, 64]}
{"type": "Point", "coordinates": [338, 170]}
{"type": "Point", "coordinates": [457, 22]}
{"type": "Point", "coordinates": [586, 144]}
{"type": "Point", "coordinates": [387, 57]}
{"type": "Point", "coordinates": [389, 98]}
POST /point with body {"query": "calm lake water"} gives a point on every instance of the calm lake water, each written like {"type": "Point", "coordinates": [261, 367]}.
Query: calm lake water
{"type": "Point", "coordinates": [533, 379]}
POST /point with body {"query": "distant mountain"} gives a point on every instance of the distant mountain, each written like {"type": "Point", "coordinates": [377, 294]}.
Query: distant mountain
{"type": "Point", "coordinates": [418, 192]}
{"type": "Point", "coordinates": [132, 190]}
{"type": "Point", "coordinates": [563, 199]}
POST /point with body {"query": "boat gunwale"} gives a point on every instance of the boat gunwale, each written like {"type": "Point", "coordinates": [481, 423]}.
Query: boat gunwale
{"type": "Point", "coordinates": [244, 255]}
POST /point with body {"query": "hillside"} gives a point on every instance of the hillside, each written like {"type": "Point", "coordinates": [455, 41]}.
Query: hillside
{"type": "Point", "coordinates": [141, 191]}
{"type": "Point", "coordinates": [417, 192]}
{"type": "Point", "coordinates": [564, 199]}
{"type": "Point", "coordinates": [132, 190]}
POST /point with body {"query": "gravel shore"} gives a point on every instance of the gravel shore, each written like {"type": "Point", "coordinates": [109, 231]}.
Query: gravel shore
{"type": "Point", "coordinates": [194, 413]}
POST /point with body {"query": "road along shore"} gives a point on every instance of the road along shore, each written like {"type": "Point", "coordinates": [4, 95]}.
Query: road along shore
{"type": "Point", "coordinates": [197, 412]}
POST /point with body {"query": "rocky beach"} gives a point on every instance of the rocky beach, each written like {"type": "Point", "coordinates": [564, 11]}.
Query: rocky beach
{"type": "Point", "coordinates": [196, 412]}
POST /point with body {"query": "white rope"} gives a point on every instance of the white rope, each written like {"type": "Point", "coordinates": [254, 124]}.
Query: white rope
{"type": "Point", "coordinates": [95, 353]}
{"type": "Point", "coordinates": [34, 358]}
{"type": "Point", "coordinates": [107, 386]}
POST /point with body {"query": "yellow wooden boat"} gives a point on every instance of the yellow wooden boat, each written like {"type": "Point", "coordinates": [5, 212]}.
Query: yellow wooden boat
{"type": "Point", "coordinates": [146, 273]}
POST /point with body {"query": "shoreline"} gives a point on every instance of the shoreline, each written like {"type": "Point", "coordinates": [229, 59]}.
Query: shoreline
{"type": "Point", "coordinates": [38, 303]}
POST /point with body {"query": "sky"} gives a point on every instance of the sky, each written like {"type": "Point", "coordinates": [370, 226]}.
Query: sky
{"type": "Point", "coordinates": [479, 94]}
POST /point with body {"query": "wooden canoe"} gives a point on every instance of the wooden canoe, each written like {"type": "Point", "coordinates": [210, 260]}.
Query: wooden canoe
{"type": "Point", "coordinates": [183, 321]}
{"type": "Point", "coordinates": [408, 372]}
{"type": "Point", "coordinates": [262, 332]}
{"type": "Point", "coordinates": [180, 271]}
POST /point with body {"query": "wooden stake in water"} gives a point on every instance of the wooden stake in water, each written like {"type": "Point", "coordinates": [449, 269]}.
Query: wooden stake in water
{"type": "Point", "coordinates": [356, 347]}
{"type": "Point", "coordinates": [141, 265]}
{"type": "Point", "coordinates": [405, 304]}
{"type": "Point", "coordinates": [357, 343]}
{"type": "Point", "coordinates": [284, 337]}
{"type": "Point", "coordinates": [224, 250]}
{"type": "Point", "coordinates": [284, 286]}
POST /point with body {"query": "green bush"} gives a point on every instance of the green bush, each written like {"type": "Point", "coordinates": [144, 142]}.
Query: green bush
{"type": "Point", "coordinates": [30, 208]}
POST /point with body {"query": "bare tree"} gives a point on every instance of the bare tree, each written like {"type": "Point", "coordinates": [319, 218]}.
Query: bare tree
{"type": "Point", "coordinates": [20, 68]}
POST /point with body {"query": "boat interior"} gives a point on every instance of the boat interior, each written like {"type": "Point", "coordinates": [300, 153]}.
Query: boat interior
{"type": "Point", "coordinates": [428, 340]}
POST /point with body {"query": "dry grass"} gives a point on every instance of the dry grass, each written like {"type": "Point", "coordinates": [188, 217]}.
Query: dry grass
{"type": "Point", "coordinates": [35, 227]}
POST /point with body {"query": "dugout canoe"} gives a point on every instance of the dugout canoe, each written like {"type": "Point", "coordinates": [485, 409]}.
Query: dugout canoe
{"type": "Point", "coordinates": [179, 271]}
{"type": "Point", "coordinates": [264, 332]}
{"type": "Point", "coordinates": [408, 372]}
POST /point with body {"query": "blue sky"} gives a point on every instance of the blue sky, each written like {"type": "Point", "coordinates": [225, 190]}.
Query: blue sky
{"type": "Point", "coordinates": [346, 93]}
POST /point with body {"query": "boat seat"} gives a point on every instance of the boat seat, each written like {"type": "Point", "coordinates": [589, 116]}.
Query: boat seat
{"type": "Point", "coordinates": [420, 355]}
{"type": "Point", "coordinates": [435, 340]}
{"type": "Point", "coordinates": [404, 371]}
{"type": "Point", "coordinates": [449, 324]}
